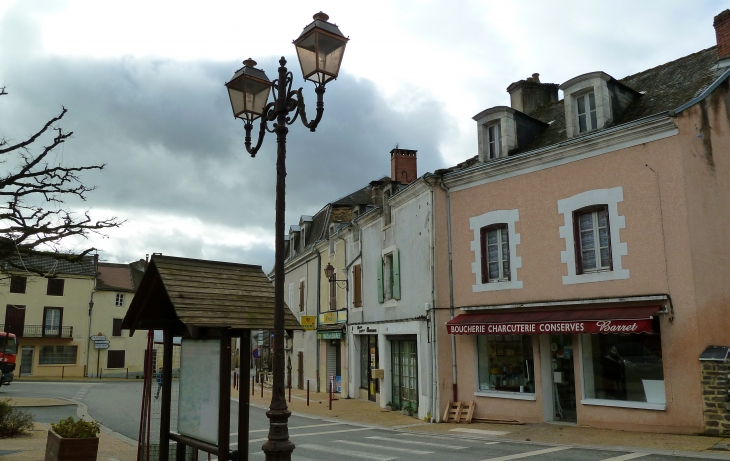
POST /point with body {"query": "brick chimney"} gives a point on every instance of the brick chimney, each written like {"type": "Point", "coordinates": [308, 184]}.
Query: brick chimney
{"type": "Point", "coordinates": [529, 95]}
{"type": "Point", "coordinates": [722, 32]}
{"type": "Point", "coordinates": [403, 165]}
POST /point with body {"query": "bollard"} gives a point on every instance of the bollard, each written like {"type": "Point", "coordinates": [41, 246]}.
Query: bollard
{"type": "Point", "coordinates": [307, 392]}
{"type": "Point", "coordinates": [253, 385]}
{"type": "Point", "coordinates": [127, 372]}
{"type": "Point", "coordinates": [290, 394]}
{"type": "Point", "coordinates": [234, 380]}
{"type": "Point", "coordinates": [85, 375]}
{"type": "Point", "coordinates": [262, 388]}
{"type": "Point", "coordinates": [63, 372]}
{"type": "Point", "coordinates": [331, 386]}
{"type": "Point", "coordinates": [101, 372]}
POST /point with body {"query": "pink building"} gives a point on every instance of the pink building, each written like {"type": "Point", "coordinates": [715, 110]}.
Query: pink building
{"type": "Point", "coordinates": [582, 257]}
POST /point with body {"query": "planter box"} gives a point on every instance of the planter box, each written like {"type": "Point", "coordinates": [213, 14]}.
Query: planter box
{"type": "Point", "coordinates": [61, 449]}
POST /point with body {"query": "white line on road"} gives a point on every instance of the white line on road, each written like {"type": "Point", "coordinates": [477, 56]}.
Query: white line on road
{"type": "Point", "coordinates": [295, 427]}
{"type": "Point", "coordinates": [626, 457]}
{"type": "Point", "coordinates": [479, 431]}
{"type": "Point", "coordinates": [316, 433]}
{"type": "Point", "coordinates": [381, 447]}
{"type": "Point", "coordinates": [528, 454]}
{"type": "Point", "coordinates": [346, 453]}
{"type": "Point", "coordinates": [418, 442]}
{"type": "Point", "coordinates": [490, 443]}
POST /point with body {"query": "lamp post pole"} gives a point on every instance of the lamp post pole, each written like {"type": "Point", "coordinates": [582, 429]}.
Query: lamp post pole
{"type": "Point", "coordinates": [320, 48]}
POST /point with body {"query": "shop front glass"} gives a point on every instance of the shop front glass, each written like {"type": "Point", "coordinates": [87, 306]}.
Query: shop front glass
{"type": "Point", "coordinates": [506, 363]}
{"type": "Point", "coordinates": [623, 367]}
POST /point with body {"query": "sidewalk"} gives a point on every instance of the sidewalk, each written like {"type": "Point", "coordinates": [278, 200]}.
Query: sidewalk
{"type": "Point", "coordinates": [369, 413]}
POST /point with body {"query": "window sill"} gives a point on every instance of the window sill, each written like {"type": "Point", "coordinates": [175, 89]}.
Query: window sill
{"type": "Point", "coordinates": [625, 404]}
{"type": "Point", "coordinates": [495, 286]}
{"type": "Point", "coordinates": [391, 303]}
{"type": "Point", "coordinates": [506, 395]}
{"type": "Point", "coordinates": [597, 276]}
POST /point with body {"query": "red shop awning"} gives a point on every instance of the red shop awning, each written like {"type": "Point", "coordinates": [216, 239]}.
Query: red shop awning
{"type": "Point", "coordinates": [607, 320]}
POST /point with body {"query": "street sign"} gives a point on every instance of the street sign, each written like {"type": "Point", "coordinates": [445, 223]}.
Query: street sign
{"type": "Point", "coordinates": [255, 353]}
{"type": "Point", "coordinates": [100, 345]}
{"type": "Point", "coordinates": [309, 322]}
{"type": "Point", "coordinates": [98, 338]}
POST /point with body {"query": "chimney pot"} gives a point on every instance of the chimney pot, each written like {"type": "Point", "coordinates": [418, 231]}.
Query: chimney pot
{"type": "Point", "coordinates": [536, 77]}
{"type": "Point", "coordinates": [722, 33]}
{"type": "Point", "coordinates": [528, 95]}
{"type": "Point", "coordinates": [403, 165]}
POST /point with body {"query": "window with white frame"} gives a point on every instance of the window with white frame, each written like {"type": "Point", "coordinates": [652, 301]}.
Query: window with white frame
{"type": "Point", "coordinates": [389, 276]}
{"type": "Point", "coordinates": [495, 253]}
{"type": "Point", "coordinates": [592, 232]}
{"type": "Point", "coordinates": [119, 301]}
{"type": "Point", "coordinates": [494, 140]}
{"type": "Point", "coordinates": [586, 112]}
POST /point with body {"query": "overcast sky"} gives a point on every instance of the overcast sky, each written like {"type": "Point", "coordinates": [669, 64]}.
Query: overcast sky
{"type": "Point", "coordinates": [143, 82]}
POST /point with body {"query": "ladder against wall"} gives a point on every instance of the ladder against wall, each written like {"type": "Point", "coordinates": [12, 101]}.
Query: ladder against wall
{"type": "Point", "coordinates": [459, 412]}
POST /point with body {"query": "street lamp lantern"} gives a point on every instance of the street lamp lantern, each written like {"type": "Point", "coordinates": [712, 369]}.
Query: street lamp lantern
{"type": "Point", "coordinates": [329, 271]}
{"type": "Point", "coordinates": [249, 91]}
{"type": "Point", "coordinates": [320, 48]}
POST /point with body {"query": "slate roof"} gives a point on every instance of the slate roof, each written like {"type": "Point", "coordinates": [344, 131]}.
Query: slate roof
{"type": "Point", "coordinates": [50, 266]}
{"type": "Point", "coordinates": [177, 293]}
{"type": "Point", "coordinates": [665, 87]}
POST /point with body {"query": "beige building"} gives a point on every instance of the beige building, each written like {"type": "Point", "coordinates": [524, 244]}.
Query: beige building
{"type": "Point", "coordinates": [50, 316]}
{"type": "Point", "coordinates": [581, 255]}
{"type": "Point", "coordinates": [56, 316]}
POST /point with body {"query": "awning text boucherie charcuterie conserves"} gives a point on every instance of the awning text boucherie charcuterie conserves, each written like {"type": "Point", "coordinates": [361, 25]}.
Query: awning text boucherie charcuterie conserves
{"type": "Point", "coordinates": [602, 326]}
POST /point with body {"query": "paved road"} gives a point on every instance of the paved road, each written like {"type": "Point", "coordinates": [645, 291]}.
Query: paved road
{"type": "Point", "coordinates": [117, 406]}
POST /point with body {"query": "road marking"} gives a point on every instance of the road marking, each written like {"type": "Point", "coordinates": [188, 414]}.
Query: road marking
{"type": "Point", "coordinates": [626, 457]}
{"type": "Point", "coordinates": [528, 454]}
{"type": "Point", "coordinates": [415, 442]}
{"type": "Point", "coordinates": [296, 427]}
{"type": "Point", "coordinates": [479, 431]}
{"type": "Point", "coordinates": [381, 447]}
{"type": "Point", "coordinates": [490, 443]}
{"type": "Point", "coordinates": [316, 433]}
{"type": "Point", "coordinates": [347, 453]}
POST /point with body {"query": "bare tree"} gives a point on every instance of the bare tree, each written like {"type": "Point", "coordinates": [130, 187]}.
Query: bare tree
{"type": "Point", "coordinates": [33, 216]}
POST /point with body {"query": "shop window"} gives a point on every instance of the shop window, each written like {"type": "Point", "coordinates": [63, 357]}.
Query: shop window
{"type": "Point", "coordinates": [57, 355]}
{"type": "Point", "coordinates": [364, 362]}
{"type": "Point", "coordinates": [625, 368]}
{"type": "Point", "coordinates": [55, 287]}
{"type": "Point", "coordinates": [506, 363]}
{"type": "Point", "coordinates": [17, 283]}
{"type": "Point", "coordinates": [115, 359]}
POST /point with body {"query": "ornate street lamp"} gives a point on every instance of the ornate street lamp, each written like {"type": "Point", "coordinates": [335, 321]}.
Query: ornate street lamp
{"type": "Point", "coordinates": [320, 48]}
{"type": "Point", "coordinates": [329, 272]}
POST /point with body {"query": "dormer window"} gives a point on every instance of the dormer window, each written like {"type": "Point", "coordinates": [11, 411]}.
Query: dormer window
{"type": "Point", "coordinates": [494, 139]}
{"type": "Point", "coordinates": [586, 110]}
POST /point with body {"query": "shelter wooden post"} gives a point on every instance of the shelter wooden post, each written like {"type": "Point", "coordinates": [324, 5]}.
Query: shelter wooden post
{"type": "Point", "coordinates": [224, 406]}
{"type": "Point", "coordinates": [166, 394]}
{"type": "Point", "coordinates": [244, 397]}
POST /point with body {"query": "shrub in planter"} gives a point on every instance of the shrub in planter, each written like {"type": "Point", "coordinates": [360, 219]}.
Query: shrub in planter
{"type": "Point", "coordinates": [13, 421]}
{"type": "Point", "coordinates": [73, 440]}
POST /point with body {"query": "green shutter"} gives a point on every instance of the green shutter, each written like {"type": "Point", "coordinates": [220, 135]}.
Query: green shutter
{"type": "Point", "coordinates": [381, 295]}
{"type": "Point", "coordinates": [396, 275]}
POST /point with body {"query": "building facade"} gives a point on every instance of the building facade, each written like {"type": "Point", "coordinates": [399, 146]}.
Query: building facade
{"type": "Point", "coordinates": [584, 251]}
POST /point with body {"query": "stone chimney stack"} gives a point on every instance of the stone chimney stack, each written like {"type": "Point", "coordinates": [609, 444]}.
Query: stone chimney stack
{"type": "Point", "coordinates": [529, 95]}
{"type": "Point", "coordinates": [722, 32]}
{"type": "Point", "coordinates": [403, 165]}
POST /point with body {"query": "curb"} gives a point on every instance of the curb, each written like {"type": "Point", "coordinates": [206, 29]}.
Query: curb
{"type": "Point", "coordinates": [82, 411]}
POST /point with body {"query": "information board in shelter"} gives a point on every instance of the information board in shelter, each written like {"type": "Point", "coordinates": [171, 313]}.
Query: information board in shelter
{"type": "Point", "coordinates": [199, 386]}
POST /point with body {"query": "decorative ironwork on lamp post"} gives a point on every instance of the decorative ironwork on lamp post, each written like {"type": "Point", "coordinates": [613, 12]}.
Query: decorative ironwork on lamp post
{"type": "Point", "coordinates": [320, 48]}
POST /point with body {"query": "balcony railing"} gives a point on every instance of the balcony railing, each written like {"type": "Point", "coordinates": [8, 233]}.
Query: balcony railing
{"type": "Point", "coordinates": [39, 331]}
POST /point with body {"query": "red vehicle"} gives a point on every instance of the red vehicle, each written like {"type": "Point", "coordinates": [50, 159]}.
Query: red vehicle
{"type": "Point", "coordinates": [8, 355]}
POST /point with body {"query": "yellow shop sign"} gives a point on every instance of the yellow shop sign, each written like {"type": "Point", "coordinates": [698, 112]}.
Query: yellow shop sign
{"type": "Point", "coordinates": [309, 322]}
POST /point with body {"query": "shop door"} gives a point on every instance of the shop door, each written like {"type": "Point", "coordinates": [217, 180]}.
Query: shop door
{"type": "Point", "coordinates": [373, 384]}
{"type": "Point", "coordinates": [404, 370]}
{"type": "Point", "coordinates": [300, 370]}
{"type": "Point", "coordinates": [26, 361]}
{"type": "Point", "coordinates": [334, 366]}
{"type": "Point", "coordinates": [561, 355]}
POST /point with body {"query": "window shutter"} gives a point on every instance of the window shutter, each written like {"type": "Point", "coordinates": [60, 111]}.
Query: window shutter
{"type": "Point", "coordinates": [576, 244]}
{"type": "Point", "coordinates": [608, 226]}
{"type": "Point", "coordinates": [483, 244]}
{"type": "Point", "coordinates": [301, 296]}
{"type": "Point", "coordinates": [117, 327]}
{"type": "Point", "coordinates": [396, 275]}
{"type": "Point", "coordinates": [381, 295]}
{"type": "Point", "coordinates": [333, 296]}
{"type": "Point", "coordinates": [357, 282]}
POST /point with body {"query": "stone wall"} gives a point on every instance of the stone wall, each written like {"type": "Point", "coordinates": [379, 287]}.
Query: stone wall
{"type": "Point", "coordinates": [715, 397]}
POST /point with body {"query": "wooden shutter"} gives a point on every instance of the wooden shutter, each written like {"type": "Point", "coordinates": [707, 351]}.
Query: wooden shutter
{"type": "Point", "coordinates": [17, 284]}
{"type": "Point", "coordinates": [357, 285]}
{"type": "Point", "coordinates": [55, 287]}
{"type": "Point", "coordinates": [301, 296]}
{"type": "Point", "coordinates": [576, 244]}
{"type": "Point", "coordinates": [15, 319]}
{"type": "Point", "coordinates": [608, 229]}
{"type": "Point", "coordinates": [333, 296]}
{"type": "Point", "coordinates": [396, 275]}
{"type": "Point", "coordinates": [381, 294]}
{"type": "Point", "coordinates": [117, 327]}
{"type": "Point", "coordinates": [485, 263]}
{"type": "Point", "coordinates": [115, 359]}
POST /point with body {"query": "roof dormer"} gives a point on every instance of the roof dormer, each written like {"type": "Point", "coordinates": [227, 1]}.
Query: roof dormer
{"type": "Point", "coordinates": [502, 130]}
{"type": "Point", "coordinates": [593, 101]}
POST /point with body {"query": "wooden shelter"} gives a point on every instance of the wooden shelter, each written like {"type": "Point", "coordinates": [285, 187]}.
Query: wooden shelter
{"type": "Point", "coordinates": [197, 299]}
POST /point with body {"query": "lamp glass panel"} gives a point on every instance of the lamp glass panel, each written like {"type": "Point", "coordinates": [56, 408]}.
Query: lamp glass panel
{"type": "Point", "coordinates": [236, 101]}
{"type": "Point", "coordinates": [256, 95]}
{"type": "Point", "coordinates": [306, 50]}
{"type": "Point", "coordinates": [330, 52]}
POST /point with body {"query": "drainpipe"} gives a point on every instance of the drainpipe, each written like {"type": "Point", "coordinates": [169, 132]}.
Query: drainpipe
{"type": "Point", "coordinates": [319, 274]}
{"type": "Point", "coordinates": [91, 308]}
{"type": "Point", "coordinates": [451, 288]}
{"type": "Point", "coordinates": [432, 313]}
